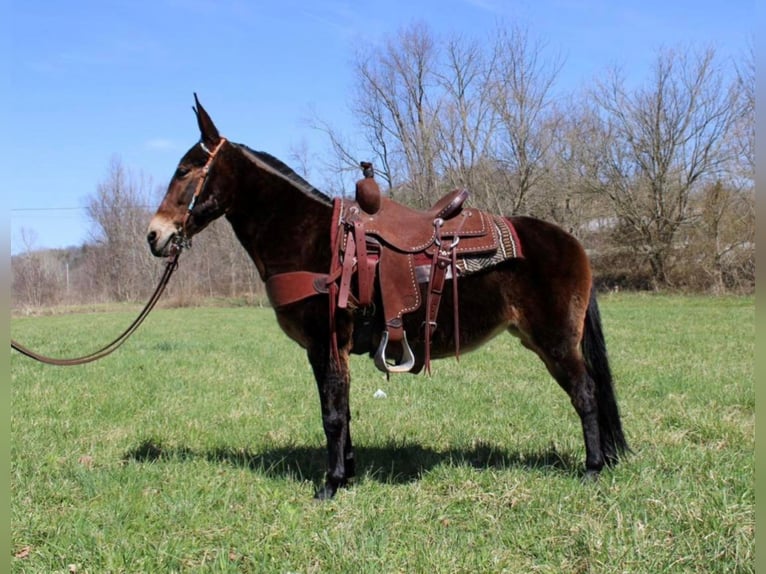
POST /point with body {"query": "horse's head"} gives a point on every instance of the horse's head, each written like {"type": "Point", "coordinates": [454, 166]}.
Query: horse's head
{"type": "Point", "coordinates": [196, 194]}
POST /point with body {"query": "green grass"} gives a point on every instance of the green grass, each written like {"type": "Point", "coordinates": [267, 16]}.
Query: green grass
{"type": "Point", "coordinates": [197, 446]}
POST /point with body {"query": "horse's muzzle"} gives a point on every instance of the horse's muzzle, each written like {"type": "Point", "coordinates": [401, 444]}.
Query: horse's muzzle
{"type": "Point", "coordinates": [161, 236]}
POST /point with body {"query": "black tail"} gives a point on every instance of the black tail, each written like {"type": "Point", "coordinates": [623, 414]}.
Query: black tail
{"type": "Point", "coordinates": [613, 441]}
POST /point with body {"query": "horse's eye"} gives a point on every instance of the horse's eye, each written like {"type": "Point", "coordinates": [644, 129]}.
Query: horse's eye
{"type": "Point", "coordinates": [181, 171]}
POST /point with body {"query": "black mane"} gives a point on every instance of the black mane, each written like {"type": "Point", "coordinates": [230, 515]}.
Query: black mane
{"type": "Point", "coordinates": [285, 171]}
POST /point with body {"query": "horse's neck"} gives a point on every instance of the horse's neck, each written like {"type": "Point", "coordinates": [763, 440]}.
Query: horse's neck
{"type": "Point", "coordinates": [282, 228]}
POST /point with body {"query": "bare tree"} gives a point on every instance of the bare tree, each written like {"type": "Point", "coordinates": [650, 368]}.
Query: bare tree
{"type": "Point", "coordinates": [660, 144]}
{"type": "Point", "coordinates": [341, 170]}
{"type": "Point", "coordinates": [522, 96]}
{"type": "Point", "coordinates": [727, 227]}
{"type": "Point", "coordinates": [742, 138]}
{"type": "Point", "coordinates": [465, 127]}
{"type": "Point", "coordinates": [563, 194]}
{"type": "Point", "coordinates": [36, 275]}
{"type": "Point", "coordinates": [397, 110]}
{"type": "Point", "coordinates": [726, 236]}
{"type": "Point", "coordinates": [441, 113]}
{"type": "Point", "coordinates": [118, 210]}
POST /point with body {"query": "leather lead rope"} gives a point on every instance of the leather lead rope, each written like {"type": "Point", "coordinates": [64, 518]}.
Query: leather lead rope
{"type": "Point", "coordinates": [170, 266]}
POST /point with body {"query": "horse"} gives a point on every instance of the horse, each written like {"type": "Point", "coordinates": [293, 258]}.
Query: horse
{"type": "Point", "coordinates": [546, 298]}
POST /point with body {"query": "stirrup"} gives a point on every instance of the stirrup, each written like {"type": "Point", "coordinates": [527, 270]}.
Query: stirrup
{"type": "Point", "coordinates": [408, 358]}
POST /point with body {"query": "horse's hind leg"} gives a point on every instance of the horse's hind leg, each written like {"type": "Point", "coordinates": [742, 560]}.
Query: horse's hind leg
{"type": "Point", "coordinates": [561, 355]}
{"type": "Point", "coordinates": [571, 374]}
{"type": "Point", "coordinates": [553, 310]}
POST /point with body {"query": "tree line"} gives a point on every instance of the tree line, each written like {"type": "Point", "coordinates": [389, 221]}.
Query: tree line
{"type": "Point", "coordinates": [656, 177]}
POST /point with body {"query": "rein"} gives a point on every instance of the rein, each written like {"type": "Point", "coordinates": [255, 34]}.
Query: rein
{"type": "Point", "coordinates": [181, 242]}
{"type": "Point", "coordinates": [170, 266]}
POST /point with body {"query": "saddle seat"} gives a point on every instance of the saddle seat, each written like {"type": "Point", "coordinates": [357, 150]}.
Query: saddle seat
{"type": "Point", "coordinates": [411, 230]}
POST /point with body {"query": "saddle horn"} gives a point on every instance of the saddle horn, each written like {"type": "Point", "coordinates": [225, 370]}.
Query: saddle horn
{"type": "Point", "coordinates": [367, 190]}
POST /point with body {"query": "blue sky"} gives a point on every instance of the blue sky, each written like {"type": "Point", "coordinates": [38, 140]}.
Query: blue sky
{"type": "Point", "coordinates": [86, 81]}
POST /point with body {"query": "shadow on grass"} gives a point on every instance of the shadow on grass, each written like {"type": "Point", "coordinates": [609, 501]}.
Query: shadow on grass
{"type": "Point", "coordinates": [391, 463]}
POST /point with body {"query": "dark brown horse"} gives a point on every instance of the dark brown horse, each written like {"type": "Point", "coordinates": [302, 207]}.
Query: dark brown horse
{"type": "Point", "coordinates": [546, 299]}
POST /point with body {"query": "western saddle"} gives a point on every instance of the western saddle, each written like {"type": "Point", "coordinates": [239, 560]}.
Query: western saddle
{"type": "Point", "coordinates": [378, 238]}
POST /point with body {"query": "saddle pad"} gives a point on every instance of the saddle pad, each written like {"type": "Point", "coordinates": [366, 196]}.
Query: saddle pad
{"type": "Point", "coordinates": [509, 248]}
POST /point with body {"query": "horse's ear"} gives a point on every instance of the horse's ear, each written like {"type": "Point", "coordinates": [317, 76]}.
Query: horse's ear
{"type": "Point", "coordinates": [208, 131]}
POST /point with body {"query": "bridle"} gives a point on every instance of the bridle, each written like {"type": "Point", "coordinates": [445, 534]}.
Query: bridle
{"type": "Point", "coordinates": [181, 242]}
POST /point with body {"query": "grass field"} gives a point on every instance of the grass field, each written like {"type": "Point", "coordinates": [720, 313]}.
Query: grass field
{"type": "Point", "coordinates": [197, 446]}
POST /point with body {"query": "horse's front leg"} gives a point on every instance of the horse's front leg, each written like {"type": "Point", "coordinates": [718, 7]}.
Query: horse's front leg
{"type": "Point", "coordinates": [333, 381]}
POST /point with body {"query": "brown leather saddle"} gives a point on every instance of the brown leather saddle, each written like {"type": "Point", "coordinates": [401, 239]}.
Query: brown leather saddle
{"type": "Point", "coordinates": [381, 239]}
{"type": "Point", "coordinates": [387, 239]}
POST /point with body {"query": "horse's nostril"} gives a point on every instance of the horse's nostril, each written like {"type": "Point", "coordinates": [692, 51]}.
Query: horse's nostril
{"type": "Point", "coordinates": [151, 236]}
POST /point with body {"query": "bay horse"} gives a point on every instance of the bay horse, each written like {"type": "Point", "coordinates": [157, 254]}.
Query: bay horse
{"type": "Point", "coordinates": [546, 298]}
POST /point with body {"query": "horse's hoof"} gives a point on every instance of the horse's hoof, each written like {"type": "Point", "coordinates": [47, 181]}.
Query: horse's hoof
{"type": "Point", "coordinates": [329, 489]}
{"type": "Point", "coordinates": [590, 476]}
{"type": "Point", "coordinates": [325, 493]}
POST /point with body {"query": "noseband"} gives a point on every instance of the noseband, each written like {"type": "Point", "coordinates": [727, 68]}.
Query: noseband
{"type": "Point", "coordinates": [184, 240]}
